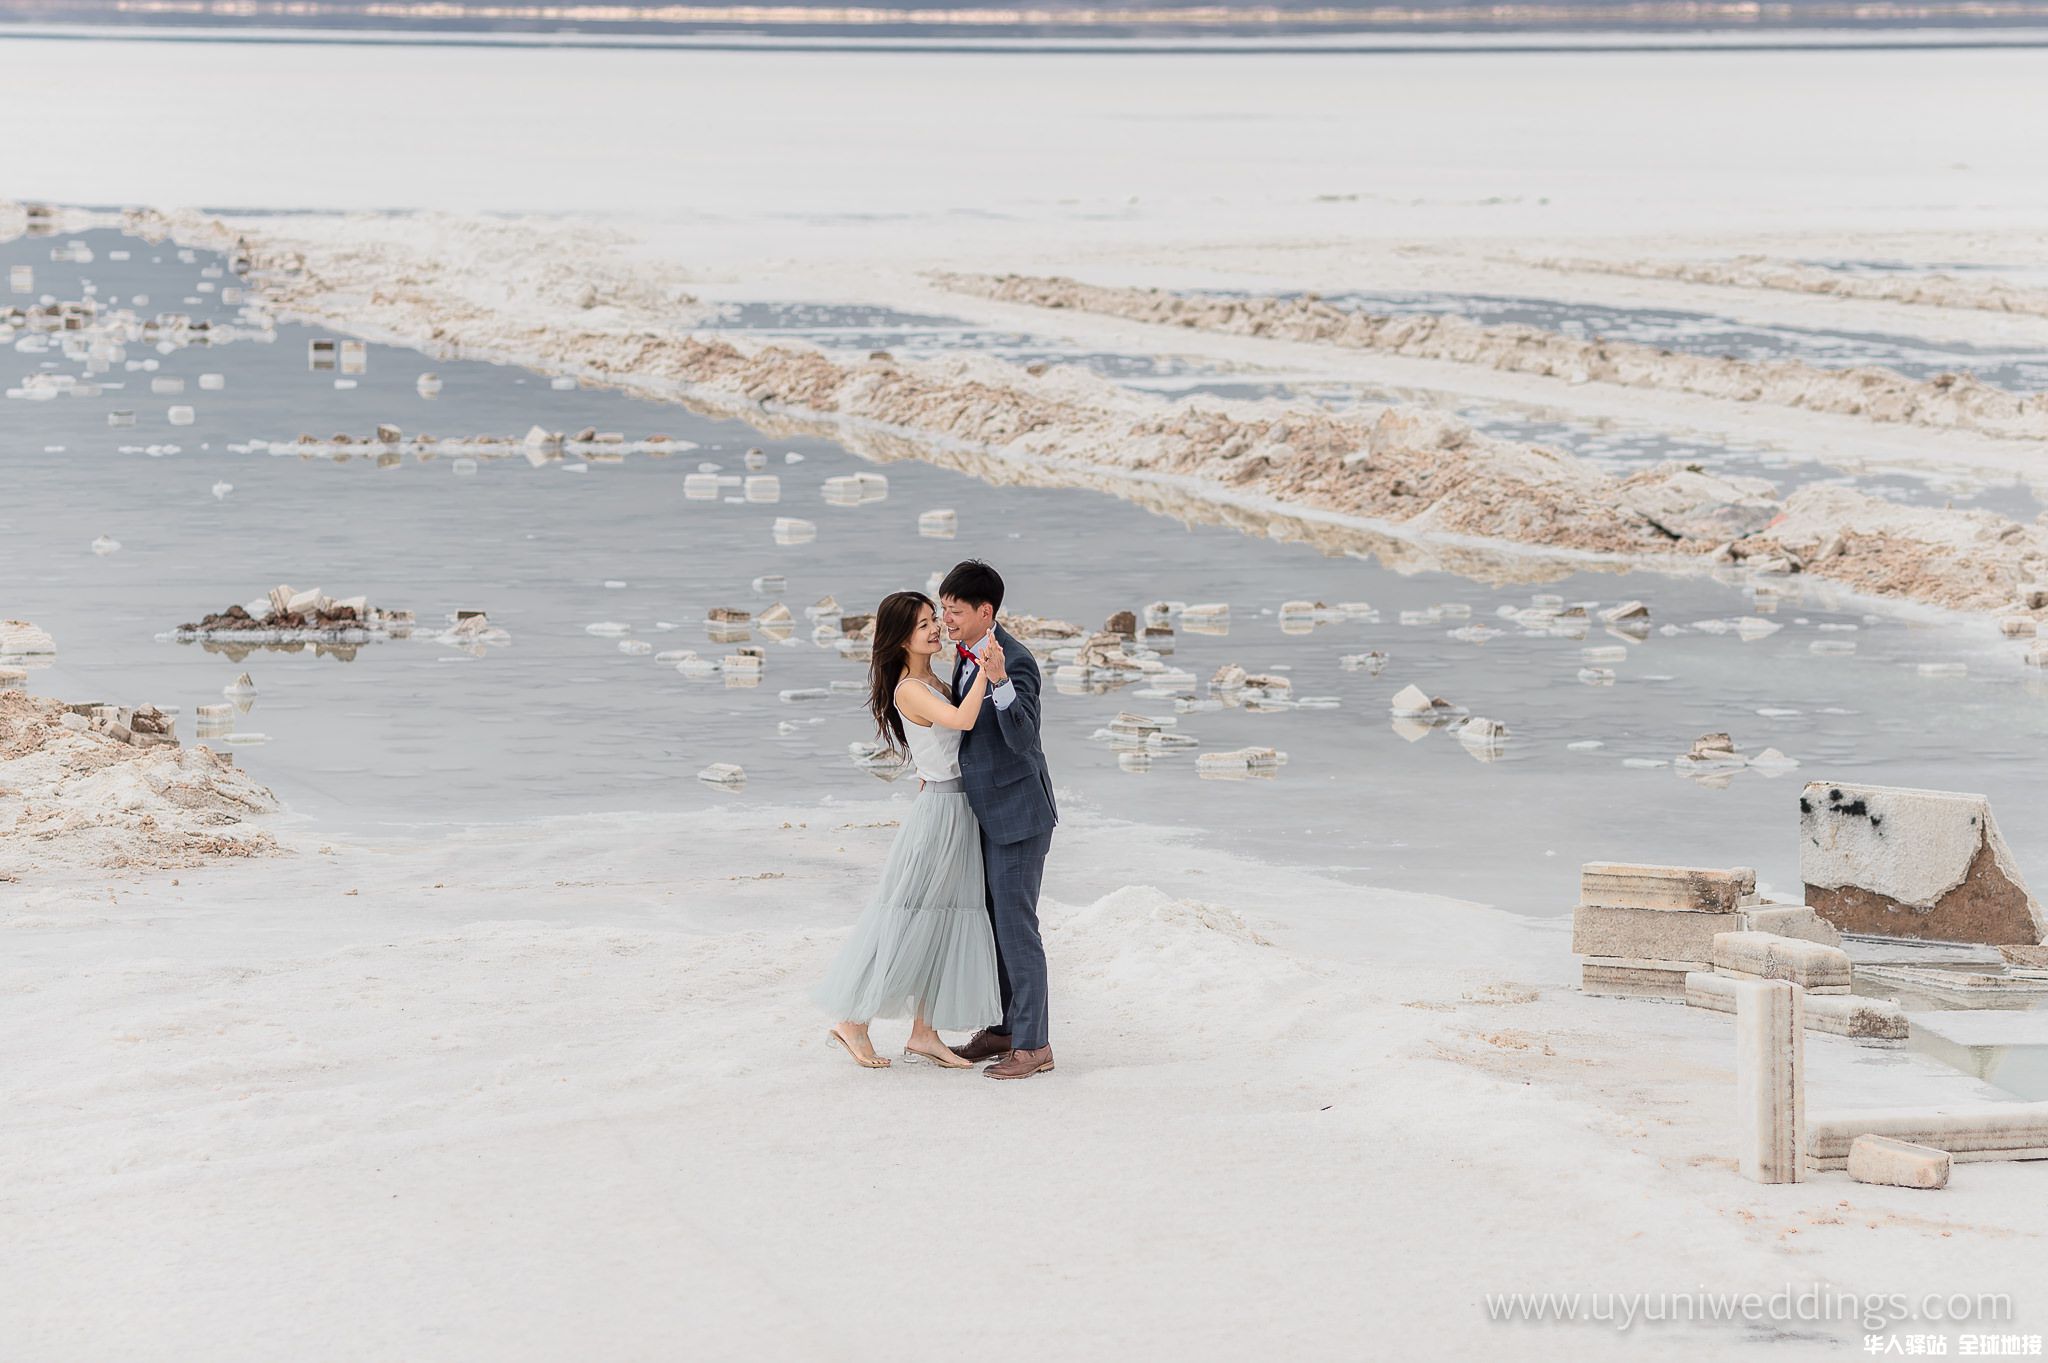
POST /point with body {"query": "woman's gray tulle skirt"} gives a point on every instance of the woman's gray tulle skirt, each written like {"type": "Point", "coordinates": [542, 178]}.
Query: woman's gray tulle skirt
{"type": "Point", "coordinates": [923, 946]}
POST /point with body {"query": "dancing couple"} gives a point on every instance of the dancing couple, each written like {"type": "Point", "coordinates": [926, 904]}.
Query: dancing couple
{"type": "Point", "coordinates": [950, 938]}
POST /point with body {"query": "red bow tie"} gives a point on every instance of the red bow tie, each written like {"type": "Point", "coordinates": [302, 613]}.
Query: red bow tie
{"type": "Point", "coordinates": [967, 655]}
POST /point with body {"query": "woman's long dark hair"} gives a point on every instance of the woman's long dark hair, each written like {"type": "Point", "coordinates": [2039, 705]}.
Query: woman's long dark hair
{"type": "Point", "coordinates": [895, 618]}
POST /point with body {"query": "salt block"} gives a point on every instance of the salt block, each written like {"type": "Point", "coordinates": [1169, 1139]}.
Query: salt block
{"type": "Point", "coordinates": [303, 602]}
{"type": "Point", "coordinates": [1633, 978]}
{"type": "Point", "coordinates": [1968, 1132]}
{"type": "Point", "coordinates": [1790, 920]}
{"type": "Point", "coordinates": [1655, 934]}
{"type": "Point", "coordinates": [1872, 1020]}
{"type": "Point", "coordinates": [723, 774]}
{"type": "Point", "coordinates": [1925, 864]}
{"type": "Point", "coordinates": [1479, 732]}
{"type": "Point", "coordinates": [1897, 1164]}
{"type": "Point", "coordinates": [1766, 956]}
{"type": "Point", "coordinates": [1770, 1081]}
{"type": "Point", "coordinates": [1628, 885]}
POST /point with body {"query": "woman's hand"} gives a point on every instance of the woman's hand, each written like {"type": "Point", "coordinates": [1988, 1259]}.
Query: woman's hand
{"type": "Point", "coordinates": [992, 662]}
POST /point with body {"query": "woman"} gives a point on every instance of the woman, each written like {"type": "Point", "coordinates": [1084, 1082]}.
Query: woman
{"type": "Point", "coordinates": [923, 947]}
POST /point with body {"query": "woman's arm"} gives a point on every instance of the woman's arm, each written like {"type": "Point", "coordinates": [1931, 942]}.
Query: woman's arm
{"type": "Point", "coordinates": [919, 701]}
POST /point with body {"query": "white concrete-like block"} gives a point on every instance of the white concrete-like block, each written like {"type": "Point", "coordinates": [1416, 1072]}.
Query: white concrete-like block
{"type": "Point", "coordinates": [1897, 1164]}
{"type": "Point", "coordinates": [1791, 920]}
{"type": "Point", "coordinates": [1766, 956]}
{"type": "Point", "coordinates": [1969, 1133]}
{"type": "Point", "coordinates": [1770, 1081]}
{"type": "Point", "coordinates": [1875, 1021]}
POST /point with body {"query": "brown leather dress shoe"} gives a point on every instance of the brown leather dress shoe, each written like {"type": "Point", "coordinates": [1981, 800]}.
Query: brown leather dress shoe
{"type": "Point", "coordinates": [985, 1045]}
{"type": "Point", "coordinates": [1021, 1064]}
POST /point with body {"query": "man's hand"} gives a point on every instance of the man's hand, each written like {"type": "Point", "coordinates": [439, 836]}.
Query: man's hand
{"type": "Point", "coordinates": [992, 663]}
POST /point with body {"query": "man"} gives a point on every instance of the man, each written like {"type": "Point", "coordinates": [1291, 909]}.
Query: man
{"type": "Point", "coordinates": [1010, 790]}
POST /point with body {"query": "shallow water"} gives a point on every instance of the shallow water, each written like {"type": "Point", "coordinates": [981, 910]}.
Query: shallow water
{"type": "Point", "coordinates": [562, 721]}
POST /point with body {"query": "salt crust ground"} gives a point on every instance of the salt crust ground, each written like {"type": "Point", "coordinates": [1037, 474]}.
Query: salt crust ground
{"type": "Point", "coordinates": [554, 1090]}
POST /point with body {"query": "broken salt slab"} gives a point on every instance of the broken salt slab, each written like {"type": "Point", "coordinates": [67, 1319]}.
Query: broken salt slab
{"type": "Point", "coordinates": [463, 468]}
{"type": "Point", "coordinates": [941, 525]}
{"type": "Point", "coordinates": [1597, 676]}
{"type": "Point", "coordinates": [213, 383]}
{"type": "Point", "coordinates": [723, 774]}
{"type": "Point", "coordinates": [790, 530]}
{"type": "Point", "coordinates": [428, 385]}
{"type": "Point", "coordinates": [1585, 745]}
{"type": "Point", "coordinates": [756, 459]}
{"type": "Point", "coordinates": [635, 647]}
{"type": "Point", "coordinates": [1643, 762]}
{"type": "Point", "coordinates": [244, 685]}
{"type": "Point", "coordinates": [608, 628]}
{"type": "Point", "coordinates": [771, 584]}
{"type": "Point", "coordinates": [163, 387]}
{"type": "Point", "coordinates": [105, 545]}
{"type": "Point", "coordinates": [702, 487]}
{"type": "Point", "coordinates": [804, 693]}
{"type": "Point", "coordinates": [181, 416]}
{"type": "Point", "coordinates": [1370, 663]}
{"type": "Point", "coordinates": [1605, 653]}
{"type": "Point", "coordinates": [1943, 669]}
{"type": "Point", "coordinates": [562, 383]}
{"type": "Point", "coordinates": [1770, 759]}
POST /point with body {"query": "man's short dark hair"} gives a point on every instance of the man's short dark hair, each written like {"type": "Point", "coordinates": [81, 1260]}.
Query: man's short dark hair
{"type": "Point", "coordinates": [975, 583]}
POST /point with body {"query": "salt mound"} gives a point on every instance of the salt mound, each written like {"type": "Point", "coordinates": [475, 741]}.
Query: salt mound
{"type": "Point", "coordinates": [84, 801]}
{"type": "Point", "coordinates": [1140, 938]}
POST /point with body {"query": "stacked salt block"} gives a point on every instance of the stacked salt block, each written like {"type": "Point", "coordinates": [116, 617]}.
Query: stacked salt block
{"type": "Point", "coordinates": [1770, 1081]}
{"type": "Point", "coordinates": [145, 726]}
{"type": "Point", "coordinates": [1985, 1131]}
{"type": "Point", "coordinates": [1642, 929]}
{"type": "Point", "coordinates": [1873, 1021]}
{"type": "Point", "coordinates": [1897, 1164]}
{"type": "Point", "coordinates": [1925, 864]}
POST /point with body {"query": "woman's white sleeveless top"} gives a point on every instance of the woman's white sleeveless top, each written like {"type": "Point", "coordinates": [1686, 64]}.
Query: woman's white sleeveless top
{"type": "Point", "coordinates": [934, 749]}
